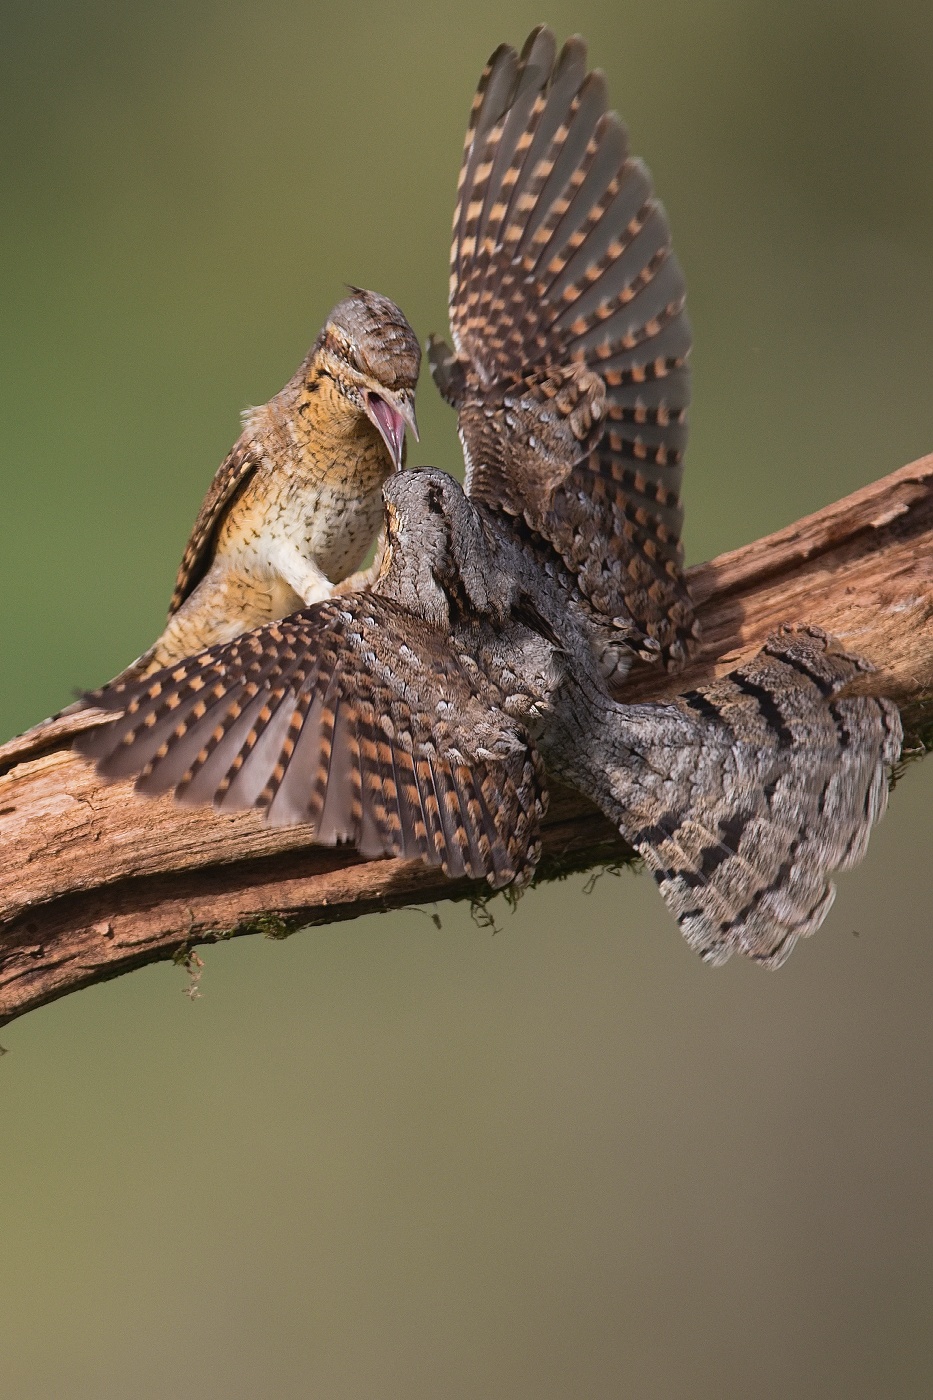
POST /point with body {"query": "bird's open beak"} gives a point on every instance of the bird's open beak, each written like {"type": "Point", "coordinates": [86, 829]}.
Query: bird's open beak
{"type": "Point", "coordinates": [392, 417]}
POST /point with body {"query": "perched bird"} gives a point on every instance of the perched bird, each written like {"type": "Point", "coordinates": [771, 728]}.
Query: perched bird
{"type": "Point", "coordinates": [561, 262]}
{"type": "Point", "coordinates": [297, 503]}
{"type": "Point", "coordinates": [418, 719]}
{"type": "Point", "coordinates": [360, 715]}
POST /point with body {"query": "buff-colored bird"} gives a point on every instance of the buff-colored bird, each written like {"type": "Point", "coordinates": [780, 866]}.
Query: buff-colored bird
{"type": "Point", "coordinates": [294, 508]}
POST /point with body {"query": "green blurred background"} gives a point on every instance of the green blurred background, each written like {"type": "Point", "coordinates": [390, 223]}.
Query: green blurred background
{"type": "Point", "coordinates": [382, 1161]}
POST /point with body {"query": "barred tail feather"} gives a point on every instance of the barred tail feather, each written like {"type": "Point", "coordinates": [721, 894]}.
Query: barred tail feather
{"type": "Point", "coordinates": [747, 794]}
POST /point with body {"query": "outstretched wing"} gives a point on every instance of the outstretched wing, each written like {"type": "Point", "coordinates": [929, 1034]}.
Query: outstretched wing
{"type": "Point", "coordinates": [229, 479]}
{"type": "Point", "coordinates": [354, 717]}
{"type": "Point", "coordinates": [775, 783]}
{"type": "Point", "coordinates": [571, 339]}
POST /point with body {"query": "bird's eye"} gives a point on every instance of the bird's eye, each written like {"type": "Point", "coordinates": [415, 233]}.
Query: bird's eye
{"type": "Point", "coordinates": [348, 351]}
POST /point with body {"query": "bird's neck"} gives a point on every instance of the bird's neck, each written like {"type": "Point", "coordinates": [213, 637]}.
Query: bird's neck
{"type": "Point", "coordinates": [312, 413]}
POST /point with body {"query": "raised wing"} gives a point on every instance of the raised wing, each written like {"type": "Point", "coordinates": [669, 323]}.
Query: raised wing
{"type": "Point", "coordinates": [747, 794]}
{"type": "Point", "coordinates": [229, 479]}
{"type": "Point", "coordinates": [571, 339]}
{"type": "Point", "coordinates": [354, 717]}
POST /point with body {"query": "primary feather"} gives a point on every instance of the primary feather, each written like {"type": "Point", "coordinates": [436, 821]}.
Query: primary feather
{"type": "Point", "coordinates": [569, 370]}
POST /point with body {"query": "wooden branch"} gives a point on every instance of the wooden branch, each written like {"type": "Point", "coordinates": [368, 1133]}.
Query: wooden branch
{"type": "Point", "coordinates": [97, 881]}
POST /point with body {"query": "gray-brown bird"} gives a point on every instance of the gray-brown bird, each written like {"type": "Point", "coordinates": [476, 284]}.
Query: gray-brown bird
{"type": "Point", "coordinates": [414, 720]}
{"type": "Point", "coordinates": [570, 373]}
{"type": "Point", "coordinates": [418, 721]}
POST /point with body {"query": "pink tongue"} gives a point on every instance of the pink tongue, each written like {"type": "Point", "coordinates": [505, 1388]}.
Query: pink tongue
{"type": "Point", "coordinates": [391, 424]}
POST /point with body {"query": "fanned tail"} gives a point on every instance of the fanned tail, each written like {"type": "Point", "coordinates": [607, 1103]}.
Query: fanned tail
{"type": "Point", "coordinates": [745, 795]}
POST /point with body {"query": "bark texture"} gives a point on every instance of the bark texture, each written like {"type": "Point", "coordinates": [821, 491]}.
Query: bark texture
{"type": "Point", "coordinates": [97, 881]}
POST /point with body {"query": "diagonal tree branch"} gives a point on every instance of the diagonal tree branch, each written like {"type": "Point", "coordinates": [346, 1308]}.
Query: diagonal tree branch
{"type": "Point", "coordinates": [97, 881]}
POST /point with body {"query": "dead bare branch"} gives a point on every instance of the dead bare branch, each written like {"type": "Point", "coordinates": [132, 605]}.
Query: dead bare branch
{"type": "Point", "coordinates": [97, 881]}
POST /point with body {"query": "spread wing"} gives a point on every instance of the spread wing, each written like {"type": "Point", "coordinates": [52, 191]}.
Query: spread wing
{"type": "Point", "coordinates": [354, 717]}
{"type": "Point", "coordinates": [775, 784]}
{"type": "Point", "coordinates": [229, 479]}
{"type": "Point", "coordinates": [571, 339]}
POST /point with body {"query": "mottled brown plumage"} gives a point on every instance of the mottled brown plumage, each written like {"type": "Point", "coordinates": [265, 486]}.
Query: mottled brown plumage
{"type": "Point", "coordinates": [410, 722]}
{"type": "Point", "coordinates": [356, 716]}
{"type": "Point", "coordinates": [571, 340]}
{"type": "Point", "coordinates": [414, 720]}
{"type": "Point", "coordinates": [297, 503]}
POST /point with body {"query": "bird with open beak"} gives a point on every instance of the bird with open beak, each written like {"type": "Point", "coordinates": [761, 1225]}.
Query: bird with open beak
{"type": "Point", "coordinates": [297, 503]}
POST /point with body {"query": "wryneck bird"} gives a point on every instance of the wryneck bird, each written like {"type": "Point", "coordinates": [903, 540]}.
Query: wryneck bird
{"type": "Point", "coordinates": [295, 506]}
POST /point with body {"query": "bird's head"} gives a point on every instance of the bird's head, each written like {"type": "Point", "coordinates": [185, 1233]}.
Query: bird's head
{"type": "Point", "coordinates": [441, 560]}
{"type": "Point", "coordinates": [373, 357]}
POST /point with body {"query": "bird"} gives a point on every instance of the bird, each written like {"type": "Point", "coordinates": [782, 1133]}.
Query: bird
{"type": "Point", "coordinates": [294, 507]}
{"type": "Point", "coordinates": [573, 422]}
{"type": "Point", "coordinates": [360, 715]}
{"type": "Point", "coordinates": [296, 504]}
{"type": "Point", "coordinates": [424, 716]}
